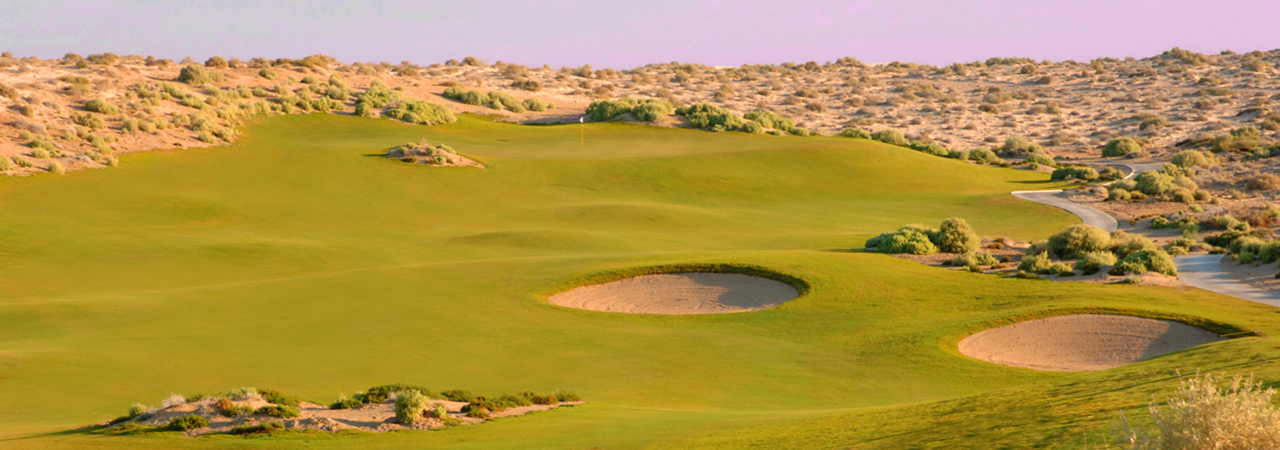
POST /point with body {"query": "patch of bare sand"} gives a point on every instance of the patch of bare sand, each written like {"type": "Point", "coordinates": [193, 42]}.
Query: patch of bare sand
{"type": "Point", "coordinates": [1259, 275]}
{"type": "Point", "coordinates": [376, 418]}
{"type": "Point", "coordinates": [1083, 342]}
{"type": "Point", "coordinates": [680, 293]}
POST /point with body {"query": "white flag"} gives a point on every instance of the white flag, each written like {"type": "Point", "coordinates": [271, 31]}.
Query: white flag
{"type": "Point", "coordinates": [582, 119]}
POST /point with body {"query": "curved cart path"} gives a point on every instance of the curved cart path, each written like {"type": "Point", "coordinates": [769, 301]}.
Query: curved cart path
{"type": "Point", "coordinates": [1201, 271]}
{"type": "Point", "coordinates": [1205, 272]}
{"type": "Point", "coordinates": [1088, 215]}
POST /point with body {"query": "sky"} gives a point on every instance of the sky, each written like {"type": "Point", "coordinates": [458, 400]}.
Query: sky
{"type": "Point", "coordinates": [627, 34]}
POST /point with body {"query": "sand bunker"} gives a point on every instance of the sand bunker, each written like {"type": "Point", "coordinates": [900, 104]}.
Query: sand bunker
{"type": "Point", "coordinates": [680, 293]}
{"type": "Point", "coordinates": [1083, 342]}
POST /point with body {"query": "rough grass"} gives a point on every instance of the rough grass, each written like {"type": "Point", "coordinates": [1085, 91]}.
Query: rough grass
{"type": "Point", "coordinates": [295, 252]}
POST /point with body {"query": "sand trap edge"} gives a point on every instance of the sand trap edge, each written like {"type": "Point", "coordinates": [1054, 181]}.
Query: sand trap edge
{"type": "Point", "coordinates": [1225, 330]}
{"type": "Point", "coordinates": [801, 286]}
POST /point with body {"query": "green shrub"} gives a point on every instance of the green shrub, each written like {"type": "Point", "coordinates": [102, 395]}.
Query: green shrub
{"type": "Point", "coordinates": [458, 396]}
{"type": "Point", "coordinates": [1122, 247]}
{"type": "Point", "coordinates": [1036, 263]}
{"type": "Point", "coordinates": [89, 121]}
{"type": "Point", "coordinates": [1120, 147]}
{"type": "Point", "coordinates": [856, 133]}
{"type": "Point", "coordinates": [985, 156]}
{"type": "Point", "coordinates": [1193, 158]}
{"type": "Point", "coordinates": [974, 259]}
{"type": "Point", "coordinates": [769, 119]}
{"type": "Point", "coordinates": [1091, 262]}
{"type": "Point", "coordinates": [1017, 145]}
{"type": "Point", "coordinates": [256, 429]}
{"type": "Point", "coordinates": [138, 409]}
{"type": "Point", "coordinates": [1059, 269]}
{"type": "Point", "coordinates": [476, 413]}
{"type": "Point", "coordinates": [345, 402]}
{"type": "Point", "coordinates": [956, 236]}
{"type": "Point", "coordinates": [534, 104]}
{"type": "Point", "coordinates": [565, 396]}
{"type": "Point", "coordinates": [195, 75]}
{"type": "Point", "coordinates": [1269, 252]}
{"type": "Point", "coordinates": [5, 163]}
{"type": "Point", "coordinates": [930, 148]}
{"type": "Point", "coordinates": [1118, 194]}
{"type": "Point", "coordinates": [891, 136]}
{"type": "Point", "coordinates": [1142, 261]}
{"type": "Point", "coordinates": [56, 168]}
{"type": "Point", "coordinates": [706, 116]}
{"type": "Point", "coordinates": [101, 107]}
{"type": "Point", "coordinates": [421, 112]}
{"type": "Point", "coordinates": [409, 406]}
{"type": "Point", "coordinates": [1078, 173]}
{"type": "Point", "coordinates": [278, 398]}
{"type": "Point", "coordinates": [1076, 240]}
{"type": "Point", "coordinates": [22, 162]}
{"type": "Point", "coordinates": [752, 127]}
{"type": "Point", "coordinates": [1036, 158]}
{"type": "Point", "coordinates": [188, 422]}
{"type": "Point", "coordinates": [283, 412]}
{"type": "Point", "coordinates": [603, 110]}
{"type": "Point", "coordinates": [1153, 183]}
{"type": "Point", "coordinates": [911, 239]}
{"type": "Point", "coordinates": [652, 110]}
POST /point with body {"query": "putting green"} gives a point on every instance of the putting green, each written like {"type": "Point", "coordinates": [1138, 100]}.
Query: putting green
{"type": "Point", "coordinates": [298, 261]}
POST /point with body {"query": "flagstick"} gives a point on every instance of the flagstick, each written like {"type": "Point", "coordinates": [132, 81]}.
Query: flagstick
{"type": "Point", "coordinates": [582, 122]}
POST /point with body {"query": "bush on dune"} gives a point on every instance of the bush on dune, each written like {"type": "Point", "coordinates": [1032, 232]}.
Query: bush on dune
{"type": "Point", "coordinates": [421, 112]}
{"type": "Point", "coordinates": [855, 133]}
{"type": "Point", "coordinates": [1121, 147]}
{"type": "Point", "coordinates": [409, 406]}
{"type": "Point", "coordinates": [710, 117]}
{"type": "Point", "coordinates": [891, 137]}
{"type": "Point", "coordinates": [771, 120]}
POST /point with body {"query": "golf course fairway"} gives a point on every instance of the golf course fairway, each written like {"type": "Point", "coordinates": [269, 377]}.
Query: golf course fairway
{"type": "Point", "coordinates": [299, 260]}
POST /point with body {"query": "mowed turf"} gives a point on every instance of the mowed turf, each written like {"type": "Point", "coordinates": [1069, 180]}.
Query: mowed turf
{"type": "Point", "coordinates": [295, 260]}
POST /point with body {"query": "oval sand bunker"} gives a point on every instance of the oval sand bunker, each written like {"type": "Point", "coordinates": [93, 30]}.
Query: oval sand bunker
{"type": "Point", "coordinates": [680, 293]}
{"type": "Point", "coordinates": [1083, 342]}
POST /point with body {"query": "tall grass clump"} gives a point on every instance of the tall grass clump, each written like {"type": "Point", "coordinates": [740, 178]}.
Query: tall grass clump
{"type": "Point", "coordinates": [409, 406]}
{"type": "Point", "coordinates": [1207, 414]}
{"type": "Point", "coordinates": [6, 163]}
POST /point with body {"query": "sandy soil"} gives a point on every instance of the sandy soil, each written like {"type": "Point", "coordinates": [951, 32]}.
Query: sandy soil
{"type": "Point", "coordinates": [1083, 342]}
{"type": "Point", "coordinates": [1259, 275]}
{"type": "Point", "coordinates": [377, 418]}
{"type": "Point", "coordinates": [680, 293]}
{"type": "Point", "coordinates": [1071, 108]}
{"type": "Point", "coordinates": [426, 154]}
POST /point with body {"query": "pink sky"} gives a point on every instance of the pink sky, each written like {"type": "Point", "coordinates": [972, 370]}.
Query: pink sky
{"type": "Point", "coordinates": [628, 34]}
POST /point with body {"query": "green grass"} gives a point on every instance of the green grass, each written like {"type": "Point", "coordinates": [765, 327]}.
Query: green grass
{"type": "Point", "coordinates": [295, 259]}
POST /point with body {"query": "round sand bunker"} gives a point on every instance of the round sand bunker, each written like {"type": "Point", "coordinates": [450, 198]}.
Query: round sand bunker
{"type": "Point", "coordinates": [1083, 342]}
{"type": "Point", "coordinates": [680, 293]}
